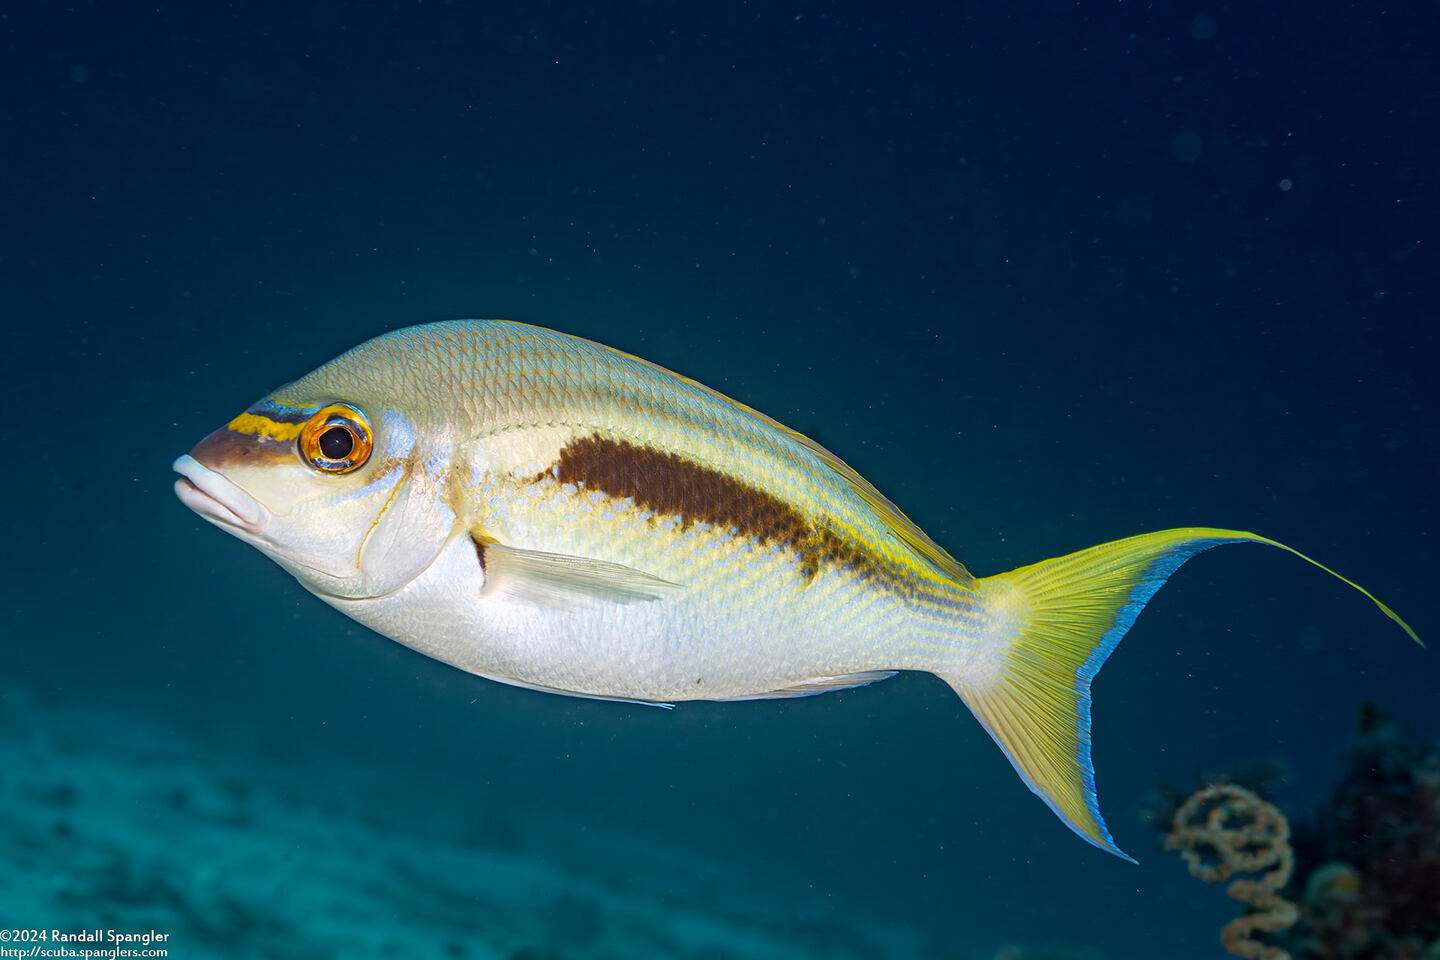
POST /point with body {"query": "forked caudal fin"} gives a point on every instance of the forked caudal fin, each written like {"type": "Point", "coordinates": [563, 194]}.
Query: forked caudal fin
{"type": "Point", "coordinates": [1050, 627]}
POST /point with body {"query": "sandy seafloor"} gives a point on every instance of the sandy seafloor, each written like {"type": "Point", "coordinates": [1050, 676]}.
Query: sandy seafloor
{"type": "Point", "coordinates": [112, 824]}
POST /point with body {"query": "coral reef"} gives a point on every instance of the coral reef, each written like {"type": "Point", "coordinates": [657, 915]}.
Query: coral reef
{"type": "Point", "coordinates": [1366, 866]}
{"type": "Point", "coordinates": [1224, 830]}
{"type": "Point", "coordinates": [1158, 808]}
{"type": "Point", "coordinates": [1371, 858]}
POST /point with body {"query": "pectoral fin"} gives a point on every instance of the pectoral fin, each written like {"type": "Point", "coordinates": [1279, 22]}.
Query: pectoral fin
{"type": "Point", "coordinates": [561, 581]}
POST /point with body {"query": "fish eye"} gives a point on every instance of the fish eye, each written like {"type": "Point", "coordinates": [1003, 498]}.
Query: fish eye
{"type": "Point", "coordinates": [337, 439]}
{"type": "Point", "coordinates": [337, 442]}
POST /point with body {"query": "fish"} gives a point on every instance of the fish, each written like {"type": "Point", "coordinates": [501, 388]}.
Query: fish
{"type": "Point", "coordinates": [552, 513]}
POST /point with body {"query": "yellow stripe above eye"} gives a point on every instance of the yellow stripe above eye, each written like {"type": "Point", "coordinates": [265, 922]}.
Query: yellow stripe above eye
{"type": "Point", "coordinates": [258, 426]}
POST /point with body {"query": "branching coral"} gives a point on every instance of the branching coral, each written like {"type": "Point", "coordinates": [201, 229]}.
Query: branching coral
{"type": "Point", "coordinates": [1223, 830]}
{"type": "Point", "coordinates": [1370, 861]}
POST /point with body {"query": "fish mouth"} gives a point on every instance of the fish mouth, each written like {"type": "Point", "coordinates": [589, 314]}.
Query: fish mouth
{"type": "Point", "coordinates": [217, 499]}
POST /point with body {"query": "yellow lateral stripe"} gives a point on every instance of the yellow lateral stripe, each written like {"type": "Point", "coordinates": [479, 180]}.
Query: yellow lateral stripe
{"type": "Point", "coordinates": [903, 528]}
{"type": "Point", "coordinates": [257, 426]}
{"type": "Point", "coordinates": [900, 525]}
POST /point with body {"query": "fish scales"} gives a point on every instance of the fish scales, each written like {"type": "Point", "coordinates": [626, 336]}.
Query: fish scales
{"type": "Point", "coordinates": [528, 398]}
{"type": "Point", "coordinates": [506, 384]}
{"type": "Point", "coordinates": [552, 513]}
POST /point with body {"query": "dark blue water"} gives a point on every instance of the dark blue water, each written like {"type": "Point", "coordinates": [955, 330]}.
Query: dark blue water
{"type": "Point", "coordinates": [1047, 278]}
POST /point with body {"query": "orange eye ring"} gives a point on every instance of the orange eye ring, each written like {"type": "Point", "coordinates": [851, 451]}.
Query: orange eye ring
{"type": "Point", "coordinates": [337, 439]}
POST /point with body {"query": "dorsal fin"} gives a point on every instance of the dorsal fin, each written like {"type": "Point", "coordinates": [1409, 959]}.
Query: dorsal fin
{"type": "Point", "coordinates": [901, 526]}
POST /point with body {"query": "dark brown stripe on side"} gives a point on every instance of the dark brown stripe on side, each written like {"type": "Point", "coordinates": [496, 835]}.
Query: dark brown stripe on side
{"type": "Point", "coordinates": [667, 485]}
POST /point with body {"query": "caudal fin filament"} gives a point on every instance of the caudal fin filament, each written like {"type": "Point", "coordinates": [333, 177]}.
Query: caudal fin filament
{"type": "Point", "coordinates": [1053, 624]}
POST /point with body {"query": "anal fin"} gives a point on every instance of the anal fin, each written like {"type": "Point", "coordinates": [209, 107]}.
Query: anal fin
{"type": "Point", "coordinates": [818, 685]}
{"type": "Point", "coordinates": [541, 688]}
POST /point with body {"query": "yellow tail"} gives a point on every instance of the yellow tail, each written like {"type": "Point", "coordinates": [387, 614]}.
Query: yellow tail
{"type": "Point", "coordinates": [1051, 626]}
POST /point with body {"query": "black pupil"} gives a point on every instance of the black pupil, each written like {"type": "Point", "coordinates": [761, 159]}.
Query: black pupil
{"type": "Point", "coordinates": [336, 443]}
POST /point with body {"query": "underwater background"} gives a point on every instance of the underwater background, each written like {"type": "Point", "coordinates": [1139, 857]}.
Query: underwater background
{"type": "Point", "coordinates": [1047, 274]}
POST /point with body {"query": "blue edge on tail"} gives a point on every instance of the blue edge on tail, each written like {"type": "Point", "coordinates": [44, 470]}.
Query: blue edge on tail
{"type": "Point", "coordinates": [1159, 571]}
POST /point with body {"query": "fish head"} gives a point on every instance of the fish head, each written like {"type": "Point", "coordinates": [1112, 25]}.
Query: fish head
{"type": "Point", "coordinates": [330, 478]}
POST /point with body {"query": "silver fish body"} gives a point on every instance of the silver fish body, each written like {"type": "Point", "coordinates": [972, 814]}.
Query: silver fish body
{"type": "Point", "coordinates": [548, 512]}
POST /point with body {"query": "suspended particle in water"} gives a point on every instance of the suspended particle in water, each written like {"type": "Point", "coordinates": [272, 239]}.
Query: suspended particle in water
{"type": "Point", "coordinates": [1187, 146]}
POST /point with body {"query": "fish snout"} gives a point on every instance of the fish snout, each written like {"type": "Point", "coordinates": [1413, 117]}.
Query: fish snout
{"type": "Point", "coordinates": [216, 498]}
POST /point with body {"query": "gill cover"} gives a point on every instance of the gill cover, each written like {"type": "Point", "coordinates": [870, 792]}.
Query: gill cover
{"type": "Point", "coordinates": [408, 534]}
{"type": "Point", "coordinates": [355, 503]}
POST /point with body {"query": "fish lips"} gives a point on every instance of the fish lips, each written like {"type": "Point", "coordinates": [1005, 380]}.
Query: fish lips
{"type": "Point", "coordinates": [219, 500]}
